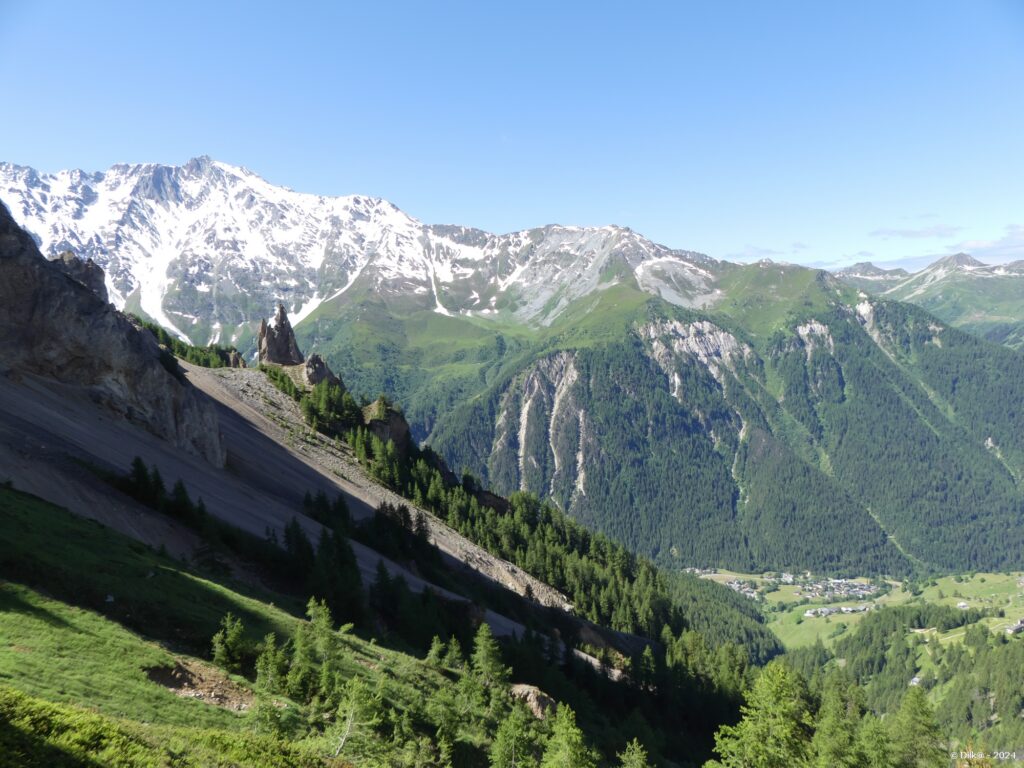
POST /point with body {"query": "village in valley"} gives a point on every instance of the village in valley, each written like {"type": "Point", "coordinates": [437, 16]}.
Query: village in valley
{"type": "Point", "coordinates": [803, 608]}
{"type": "Point", "coordinates": [805, 585]}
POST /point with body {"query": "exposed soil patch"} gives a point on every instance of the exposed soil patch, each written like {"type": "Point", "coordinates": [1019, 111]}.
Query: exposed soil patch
{"type": "Point", "coordinates": [195, 680]}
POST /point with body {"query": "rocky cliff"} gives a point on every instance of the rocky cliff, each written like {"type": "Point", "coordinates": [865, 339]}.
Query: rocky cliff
{"type": "Point", "coordinates": [277, 340]}
{"type": "Point", "coordinates": [53, 326]}
{"type": "Point", "coordinates": [87, 272]}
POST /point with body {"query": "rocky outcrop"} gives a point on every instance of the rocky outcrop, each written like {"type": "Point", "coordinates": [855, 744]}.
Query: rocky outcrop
{"type": "Point", "coordinates": [53, 326]}
{"type": "Point", "coordinates": [277, 340]}
{"type": "Point", "coordinates": [388, 423]}
{"type": "Point", "coordinates": [714, 348]}
{"type": "Point", "coordinates": [235, 359]}
{"type": "Point", "coordinates": [317, 371]}
{"type": "Point", "coordinates": [538, 702]}
{"type": "Point", "coordinates": [88, 272]}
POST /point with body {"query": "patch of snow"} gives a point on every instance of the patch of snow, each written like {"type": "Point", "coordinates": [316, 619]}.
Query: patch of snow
{"type": "Point", "coordinates": [306, 309]}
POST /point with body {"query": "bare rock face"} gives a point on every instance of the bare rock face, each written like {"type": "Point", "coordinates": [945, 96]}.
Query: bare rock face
{"type": "Point", "coordinates": [538, 702]}
{"type": "Point", "coordinates": [88, 272]}
{"type": "Point", "coordinates": [277, 340]}
{"type": "Point", "coordinates": [388, 423]}
{"type": "Point", "coordinates": [235, 360]}
{"type": "Point", "coordinates": [317, 370]}
{"type": "Point", "coordinates": [53, 326]}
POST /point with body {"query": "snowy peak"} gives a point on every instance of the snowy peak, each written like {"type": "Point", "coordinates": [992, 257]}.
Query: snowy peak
{"type": "Point", "coordinates": [197, 244]}
{"type": "Point", "coordinates": [204, 246]}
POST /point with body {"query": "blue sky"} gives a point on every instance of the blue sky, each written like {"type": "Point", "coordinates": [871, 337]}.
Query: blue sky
{"type": "Point", "coordinates": [817, 132]}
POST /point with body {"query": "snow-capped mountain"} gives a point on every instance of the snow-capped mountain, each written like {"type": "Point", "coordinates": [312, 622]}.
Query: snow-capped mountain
{"type": "Point", "coordinates": [206, 248]}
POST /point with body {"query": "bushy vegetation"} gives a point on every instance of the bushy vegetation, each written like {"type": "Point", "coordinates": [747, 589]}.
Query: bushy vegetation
{"type": "Point", "coordinates": [327, 407]}
{"type": "Point", "coordinates": [674, 492]}
{"type": "Point", "coordinates": [39, 734]}
{"type": "Point", "coordinates": [324, 694]}
{"type": "Point", "coordinates": [782, 726]}
{"type": "Point", "coordinates": [455, 703]}
{"type": "Point", "coordinates": [605, 582]}
{"type": "Point", "coordinates": [212, 356]}
{"type": "Point", "coordinates": [972, 676]}
{"type": "Point", "coordinates": [282, 381]}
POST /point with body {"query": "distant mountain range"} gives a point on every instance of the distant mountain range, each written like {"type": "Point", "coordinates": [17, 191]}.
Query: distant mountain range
{"type": "Point", "coordinates": [703, 412]}
{"type": "Point", "coordinates": [987, 300]}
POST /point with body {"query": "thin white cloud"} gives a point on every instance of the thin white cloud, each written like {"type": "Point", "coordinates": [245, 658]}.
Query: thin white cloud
{"type": "Point", "coordinates": [756, 252]}
{"type": "Point", "coordinates": [938, 230]}
{"type": "Point", "coordinates": [1009, 247]}
{"type": "Point", "coordinates": [846, 260]}
{"type": "Point", "coordinates": [753, 253]}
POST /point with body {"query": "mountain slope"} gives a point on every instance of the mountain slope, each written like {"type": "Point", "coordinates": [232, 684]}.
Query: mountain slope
{"type": "Point", "coordinates": [705, 413]}
{"type": "Point", "coordinates": [987, 300]}
{"type": "Point", "coordinates": [838, 438]}
{"type": "Point", "coordinates": [241, 532]}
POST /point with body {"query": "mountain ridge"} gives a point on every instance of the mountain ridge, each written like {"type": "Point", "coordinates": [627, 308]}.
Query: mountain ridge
{"type": "Point", "coordinates": [204, 248]}
{"type": "Point", "coordinates": [174, 239]}
{"type": "Point", "coordinates": [693, 409]}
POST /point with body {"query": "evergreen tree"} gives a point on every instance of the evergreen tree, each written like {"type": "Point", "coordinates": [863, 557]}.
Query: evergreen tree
{"type": "Point", "coordinates": [435, 656]}
{"type": "Point", "coordinates": [486, 662]}
{"type": "Point", "coordinates": [302, 670]}
{"type": "Point", "coordinates": [270, 666]}
{"type": "Point", "coordinates": [566, 748]}
{"type": "Point", "coordinates": [874, 747]}
{"type": "Point", "coordinates": [228, 643]}
{"type": "Point", "coordinates": [138, 479]}
{"type": "Point", "coordinates": [775, 731]}
{"type": "Point", "coordinates": [265, 715]}
{"type": "Point", "coordinates": [297, 545]}
{"type": "Point", "coordinates": [916, 740]}
{"type": "Point", "coordinates": [179, 504]}
{"type": "Point", "coordinates": [157, 489]}
{"type": "Point", "coordinates": [635, 756]}
{"type": "Point", "coordinates": [321, 625]}
{"type": "Point", "coordinates": [838, 720]}
{"type": "Point", "coordinates": [453, 657]}
{"type": "Point", "coordinates": [358, 714]}
{"type": "Point", "coordinates": [512, 747]}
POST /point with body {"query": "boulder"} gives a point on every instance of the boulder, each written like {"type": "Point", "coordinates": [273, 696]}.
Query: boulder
{"type": "Point", "coordinates": [277, 340]}
{"type": "Point", "coordinates": [56, 328]}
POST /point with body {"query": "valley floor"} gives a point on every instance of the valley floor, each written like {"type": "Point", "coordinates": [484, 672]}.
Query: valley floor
{"type": "Point", "coordinates": [786, 606]}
